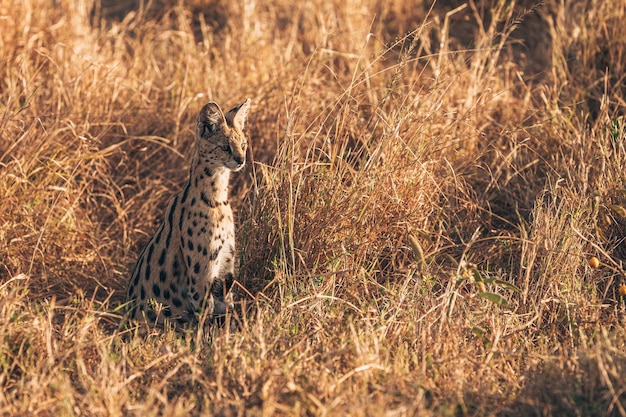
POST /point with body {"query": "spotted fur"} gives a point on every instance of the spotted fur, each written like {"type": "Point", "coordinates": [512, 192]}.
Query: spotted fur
{"type": "Point", "coordinates": [187, 266]}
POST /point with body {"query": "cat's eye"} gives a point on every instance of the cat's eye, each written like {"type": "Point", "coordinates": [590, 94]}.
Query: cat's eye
{"type": "Point", "coordinates": [227, 148]}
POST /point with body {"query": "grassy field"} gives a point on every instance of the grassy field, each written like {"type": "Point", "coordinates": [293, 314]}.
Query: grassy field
{"type": "Point", "coordinates": [426, 184]}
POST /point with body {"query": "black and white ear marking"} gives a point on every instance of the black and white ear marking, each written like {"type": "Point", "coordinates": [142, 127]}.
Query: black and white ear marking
{"type": "Point", "coordinates": [238, 114]}
{"type": "Point", "coordinates": [210, 120]}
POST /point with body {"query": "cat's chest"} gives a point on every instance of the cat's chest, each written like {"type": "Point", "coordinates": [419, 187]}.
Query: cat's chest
{"type": "Point", "coordinates": [209, 224]}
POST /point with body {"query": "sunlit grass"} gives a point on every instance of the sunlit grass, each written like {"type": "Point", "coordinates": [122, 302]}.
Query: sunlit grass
{"type": "Point", "coordinates": [425, 188]}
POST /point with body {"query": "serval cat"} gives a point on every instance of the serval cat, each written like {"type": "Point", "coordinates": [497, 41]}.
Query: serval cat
{"type": "Point", "coordinates": [187, 267]}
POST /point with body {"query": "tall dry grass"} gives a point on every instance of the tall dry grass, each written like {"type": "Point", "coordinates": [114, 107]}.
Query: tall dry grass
{"type": "Point", "coordinates": [426, 183]}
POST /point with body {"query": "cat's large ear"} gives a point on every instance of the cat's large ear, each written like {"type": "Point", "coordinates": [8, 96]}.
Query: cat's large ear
{"type": "Point", "coordinates": [210, 120]}
{"type": "Point", "coordinates": [237, 115]}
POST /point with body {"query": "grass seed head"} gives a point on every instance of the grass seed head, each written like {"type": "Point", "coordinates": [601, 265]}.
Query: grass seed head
{"type": "Point", "coordinates": [593, 262]}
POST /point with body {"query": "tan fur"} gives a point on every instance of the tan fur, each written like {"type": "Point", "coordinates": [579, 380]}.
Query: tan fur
{"type": "Point", "coordinates": [187, 266]}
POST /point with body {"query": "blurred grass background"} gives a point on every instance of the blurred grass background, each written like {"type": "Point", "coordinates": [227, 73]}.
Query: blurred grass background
{"type": "Point", "coordinates": [426, 183]}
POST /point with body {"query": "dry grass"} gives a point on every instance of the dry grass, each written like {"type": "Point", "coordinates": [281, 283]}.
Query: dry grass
{"type": "Point", "coordinates": [425, 186]}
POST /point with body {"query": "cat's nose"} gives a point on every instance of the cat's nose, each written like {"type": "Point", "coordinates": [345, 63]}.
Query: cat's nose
{"type": "Point", "coordinates": [238, 159]}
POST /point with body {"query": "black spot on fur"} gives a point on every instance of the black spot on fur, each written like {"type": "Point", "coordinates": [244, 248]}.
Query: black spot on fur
{"type": "Point", "coordinates": [168, 239]}
{"type": "Point", "coordinates": [158, 236]}
{"type": "Point", "coordinates": [177, 302]}
{"type": "Point", "coordinates": [150, 252]}
{"type": "Point", "coordinates": [156, 290]}
{"type": "Point", "coordinates": [143, 293]}
{"type": "Point", "coordinates": [189, 231]}
{"type": "Point", "coordinates": [162, 257]}
{"type": "Point", "coordinates": [176, 267]}
{"type": "Point", "coordinates": [180, 220]}
{"type": "Point", "coordinates": [166, 294]}
{"type": "Point", "coordinates": [205, 199]}
{"type": "Point", "coordinates": [162, 275]}
{"type": "Point", "coordinates": [190, 244]}
{"type": "Point", "coordinates": [196, 268]}
{"type": "Point", "coordinates": [185, 193]}
{"type": "Point", "coordinates": [208, 172]}
{"type": "Point", "coordinates": [170, 215]}
{"type": "Point", "coordinates": [229, 280]}
{"type": "Point", "coordinates": [173, 287]}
